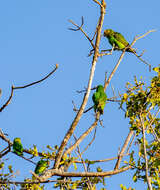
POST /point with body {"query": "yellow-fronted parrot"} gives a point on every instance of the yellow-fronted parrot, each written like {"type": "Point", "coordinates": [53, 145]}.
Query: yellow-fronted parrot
{"type": "Point", "coordinates": [17, 146]}
{"type": "Point", "coordinates": [41, 166]}
{"type": "Point", "coordinates": [117, 40]}
{"type": "Point", "coordinates": [99, 99]}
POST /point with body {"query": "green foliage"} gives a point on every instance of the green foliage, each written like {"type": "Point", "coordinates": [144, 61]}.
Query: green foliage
{"type": "Point", "coordinates": [125, 188]}
{"type": "Point", "coordinates": [31, 186]}
{"type": "Point", "coordinates": [142, 105]}
{"type": "Point", "coordinates": [6, 173]}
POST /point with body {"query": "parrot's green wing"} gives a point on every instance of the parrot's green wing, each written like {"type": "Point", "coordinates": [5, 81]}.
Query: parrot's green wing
{"type": "Point", "coordinates": [102, 102]}
{"type": "Point", "coordinates": [117, 40]}
{"type": "Point", "coordinates": [99, 99]}
{"type": "Point", "coordinates": [41, 166]}
{"type": "Point", "coordinates": [120, 38]}
{"type": "Point", "coordinates": [95, 99]}
{"type": "Point", "coordinates": [17, 146]}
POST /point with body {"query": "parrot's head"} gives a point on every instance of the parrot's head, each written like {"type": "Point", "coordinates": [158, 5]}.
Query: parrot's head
{"type": "Point", "coordinates": [100, 88]}
{"type": "Point", "coordinates": [108, 33]}
{"type": "Point", "coordinates": [18, 140]}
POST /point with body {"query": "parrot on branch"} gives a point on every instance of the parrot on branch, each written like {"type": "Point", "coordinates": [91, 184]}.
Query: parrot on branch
{"type": "Point", "coordinates": [18, 147]}
{"type": "Point", "coordinates": [99, 99]}
{"type": "Point", "coordinates": [117, 40]}
{"type": "Point", "coordinates": [41, 166]}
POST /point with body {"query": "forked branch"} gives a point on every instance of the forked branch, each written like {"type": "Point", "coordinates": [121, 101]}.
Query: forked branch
{"type": "Point", "coordinates": [26, 86]}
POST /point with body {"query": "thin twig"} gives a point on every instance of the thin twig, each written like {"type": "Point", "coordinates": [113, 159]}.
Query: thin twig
{"type": "Point", "coordinates": [81, 29]}
{"type": "Point", "coordinates": [150, 125]}
{"type": "Point", "coordinates": [142, 36]}
{"type": "Point", "coordinates": [80, 91]}
{"type": "Point", "coordinates": [97, 2]}
{"type": "Point", "coordinates": [88, 109]}
{"type": "Point", "coordinates": [26, 159]}
{"type": "Point", "coordinates": [8, 101]}
{"type": "Point", "coordinates": [94, 136]}
{"type": "Point", "coordinates": [130, 144]}
{"type": "Point", "coordinates": [36, 82]}
{"type": "Point", "coordinates": [114, 70]}
{"type": "Point", "coordinates": [25, 86]}
{"type": "Point", "coordinates": [99, 161]}
{"type": "Point", "coordinates": [84, 165]}
{"type": "Point", "coordinates": [80, 139]}
{"type": "Point", "coordinates": [134, 41]}
{"type": "Point", "coordinates": [139, 57]}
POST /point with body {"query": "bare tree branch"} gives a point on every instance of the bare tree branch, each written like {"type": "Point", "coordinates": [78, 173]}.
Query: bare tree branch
{"type": "Point", "coordinates": [84, 165]}
{"type": "Point", "coordinates": [150, 125]}
{"type": "Point", "coordinates": [80, 139]}
{"type": "Point", "coordinates": [55, 172]}
{"type": "Point", "coordinates": [134, 41]}
{"type": "Point", "coordinates": [97, 2]}
{"type": "Point", "coordinates": [145, 154]}
{"type": "Point", "coordinates": [99, 161]}
{"type": "Point", "coordinates": [114, 70]}
{"type": "Point", "coordinates": [25, 86]}
{"type": "Point", "coordinates": [81, 29]}
{"type": "Point", "coordinates": [120, 156]}
{"type": "Point", "coordinates": [94, 136]}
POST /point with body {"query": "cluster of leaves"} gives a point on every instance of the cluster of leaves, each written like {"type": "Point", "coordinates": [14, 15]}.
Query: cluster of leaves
{"type": "Point", "coordinates": [6, 175]}
{"type": "Point", "coordinates": [125, 188]}
{"type": "Point", "coordinates": [31, 186]}
{"type": "Point", "coordinates": [142, 108]}
{"type": "Point", "coordinates": [83, 183]}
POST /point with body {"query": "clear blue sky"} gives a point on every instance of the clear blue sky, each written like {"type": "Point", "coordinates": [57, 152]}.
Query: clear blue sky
{"type": "Point", "coordinates": [34, 36]}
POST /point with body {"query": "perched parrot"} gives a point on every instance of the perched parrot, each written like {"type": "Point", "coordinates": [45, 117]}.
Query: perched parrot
{"type": "Point", "coordinates": [117, 40]}
{"type": "Point", "coordinates": [41, 166]}
{"type": "Point", "coordinates": [99, 98]}
{"type": "Point", "coordinates": [17, 147]}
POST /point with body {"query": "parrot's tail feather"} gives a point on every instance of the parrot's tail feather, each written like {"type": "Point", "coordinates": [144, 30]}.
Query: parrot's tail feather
{"type": "Point", "coordinates": [131, 50]}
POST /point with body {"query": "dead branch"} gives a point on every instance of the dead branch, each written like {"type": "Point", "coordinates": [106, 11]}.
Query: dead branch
{"type": "Point", "coordinates": [114, 70]}
{"type": "Point", "coordinates": [55, 172]}
{"type": "Point", "coordinates": [134, 41]}
{"type": "Point", "coordinates": [97, 3]}
{"type": "Point", "coordinates": [145, 154]}
{"type": "Point", "coordinates": [150, 126]}
{"type": "Point", "coordinates": [94, 136]}
{"type": "Point", "coordinates": [80, 139]}
{"type": "Point", "coordinates": [81, 29]}
{"type": "Point", "coordinates": [25, 86]}
{"type": "Point", "coordinates": [99, 161]}
{"type": "Point", "coordinates": [120, 156]}
{"type": "Point", "coordinates": [84, 165]}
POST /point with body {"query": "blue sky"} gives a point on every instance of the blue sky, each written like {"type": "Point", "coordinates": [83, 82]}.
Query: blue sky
{"type": "Point", "coordinates": [34, 36]}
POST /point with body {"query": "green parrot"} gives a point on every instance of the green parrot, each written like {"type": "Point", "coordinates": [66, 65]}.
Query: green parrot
{"type": "Point", "coordinates": [41, 166]}
{"type": "Point", "coordinates": [117, 40]}
{"type": "Point", "coordinates": [17, 147]}
{"type": "Point", "coordinates": [99, 99]}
